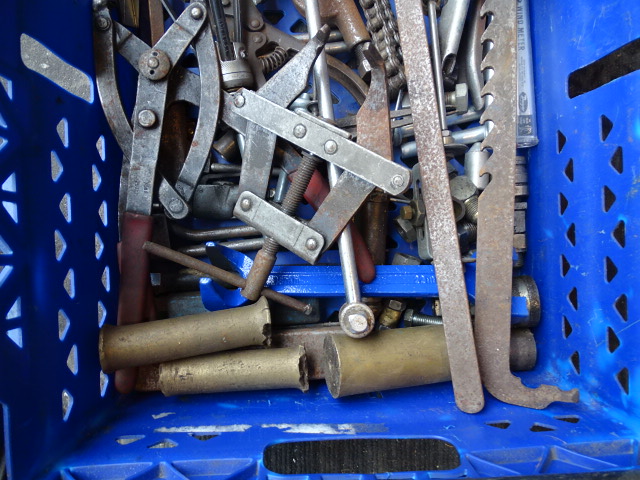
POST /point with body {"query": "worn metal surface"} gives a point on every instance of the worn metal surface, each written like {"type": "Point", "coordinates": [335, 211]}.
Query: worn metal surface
{"type": "Point", "coordinates": [312, 339]}
{"type": "Point", "coordinates": [473, 55]}
{"type": "Point", "coordinates": [268, 369]}
{"type": "Point", "coordinates": [182, 337]}
{"type": "Point", "coordinates": [274, 223]}
{"type": "Point", "coordinates": [284, 87]}
{"type": "Point", "coordinates": [465, 372]}
{"type": "Point", "coordinates": [450, 27]}
{"type": "Point", "coordinates": [214, 233]}
{"type": "Point", "coordinates": [495, 221]}
{"type": "Point", "coordinates": [346, 154]}
{"type": "Point", "coordinates": [219, 274]}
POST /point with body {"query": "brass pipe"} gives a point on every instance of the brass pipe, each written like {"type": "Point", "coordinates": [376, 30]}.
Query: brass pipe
{"type": "Point", "coordinates": [264, 369]}
{"type": "Point", "coordinates": [399, 358]}
{"type": "Point", "coordinates": [174, 338]}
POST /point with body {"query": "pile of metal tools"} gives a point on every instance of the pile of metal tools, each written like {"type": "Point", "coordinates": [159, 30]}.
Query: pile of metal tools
{"type": "Point", "coordinates": [321, 199]}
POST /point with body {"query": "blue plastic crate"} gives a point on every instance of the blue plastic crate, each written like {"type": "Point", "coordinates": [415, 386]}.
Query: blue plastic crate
{"type": "Point", "coordinates": [59, 171]}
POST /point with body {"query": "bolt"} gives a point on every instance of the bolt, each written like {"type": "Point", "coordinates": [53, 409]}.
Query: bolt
{"type": "Point", "coordinates": [258, 38]}
{"type": "Point", "coordinates": [415, 319]}
{"type": "Point", "coordinates": [226, 3]}
{"type": "Point", "coordinates": [196, 13]}
{"type": "Point", "coordinates": [146, 118]}
{"type": "Point", "coordinates": [330, 147]}
{"type": "Point", "coordinates": [357, 322]}
{"type": "Point", "coordinates": [406, 212]}
{"type": "Point", "coordinates": [238, 101]}
{"type": "Point", "coordinates": [175, 206]}
{"type": "Point", "coordinates": [153, 62]}
{"type": "Point", "coordinates": [299, 131]}
{"type": "Point", "coordinates": [255, 23]}
{"type": "Point", "coordinates": [103, 23]}
{"type": "Point", "coordinates": [311, 244]}
{"type": "Point", "coordinates": [245, 204]}
{"type": "Point", "coordinates": [397, 181]}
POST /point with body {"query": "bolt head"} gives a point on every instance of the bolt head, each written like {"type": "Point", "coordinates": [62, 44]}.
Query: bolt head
{"type": "Point", "coordinates": [226, 3]}
{"type": "Point", "coordinates": [147, 118]}
{"type": "Point", "coordinates": [175, 206]}
{"type": "Point", "coordinates": [103, 23]}
{"type": "Point", "coordinates": [406, 212]}
{"type": "Point", "coordinates": [245, 204]}
{"type": "Point", "coordinates": [255, 23]}
{"type": "Point", "coordinates": [299, 131]}
{"type": "Point", "coordinates": [357, 322]}
{"type": "Point", "coordinates": [196, 13]}
{"type": "Point", "coordinates": [330, 147]}
{"type": "Point", "coordinates": [397, 181]}
{"type": "Point", "coordinates": [311, 244]}
{"type": "Point", "coordinates": [153, 62]}
{"type": "Point", "coordinates": [239, 101]}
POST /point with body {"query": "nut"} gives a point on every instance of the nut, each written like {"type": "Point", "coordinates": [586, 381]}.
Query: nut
{"type": "Point", "coordinates": [406, 212]}
{"type": "Point", "coordinates": [406, 230]}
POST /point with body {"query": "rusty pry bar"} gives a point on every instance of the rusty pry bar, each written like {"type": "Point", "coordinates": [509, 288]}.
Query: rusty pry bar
{"type": "Point", "coordinates": [465, 372]}
{"type": "Point", "coordinates": [222, 275]}
{"type": "Point", "coordinates": [496, 218]}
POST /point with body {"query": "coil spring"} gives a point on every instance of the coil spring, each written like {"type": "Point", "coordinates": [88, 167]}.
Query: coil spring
{"type": "Point", "coordinates": [273, 60]}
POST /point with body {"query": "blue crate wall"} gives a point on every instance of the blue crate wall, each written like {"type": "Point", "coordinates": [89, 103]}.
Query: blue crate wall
{"type": "Point", "coordinates": [58, 227]}
{"type": "Point", "coordinates": [216, 436]}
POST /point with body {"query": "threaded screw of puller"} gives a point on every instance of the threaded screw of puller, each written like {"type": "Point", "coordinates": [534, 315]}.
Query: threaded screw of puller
{"type": "Point", "coordinates": [415, 319]}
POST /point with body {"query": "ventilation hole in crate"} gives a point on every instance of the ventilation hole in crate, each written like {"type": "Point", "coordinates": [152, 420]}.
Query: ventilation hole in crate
{"type": "Point", "coordinates": [12, 210]}
{"type": "Point", "coordinates": [16, 310]}
{"type": "Point", "coordinates": [100, 147]}
{"type": "Point", "coordinates": [568, 418]}
{"type": "Point", "coordinates": [605, 127]}
{"type": "Point", "coordinates": [167, 443]}
{"type": "Point", "coordinates": [65, 207]}
{"type": "Point", "coordinates": [503, 425]}
{"type": "Point", "coordinates": [620, 233]}
{"type": "Point", "coordinates": [561, 140]}
{"type": "Point", "coordinates": [575, 361]}
{"type": "Point", "coordinates": [361, 456]}
{"type": "Point", "coordinates": [63, 324]}
{"type": "Point", "coordinates": [102, 211]}
{"type": "Point", "coordinates": [3, 142]}
{"type": "Point", "coordinates": [5, 271]}
{"type": "Point", "coordinates": [564, 203]}
{"type": "Point", "coordinates": [299, 27]}
{"type": "Point", "coordinates": [99, 245]}
{"type": "Point", "coordinates": [613, 342]}
{"type": "Point", "coordinates": [5, 249]}
{"type": "Point", "coordinates": [621, 307]}
{"type": "Point", "coordinates": [203, 437]}
{"type": "Point", "coordinates": [102, 314]}
{"type": "Point", "coordinates": [273, 16]}
{"type": "Point", "coordinates": [9, 185]}
{"type": "Point", "coordinates": [623, 379]}
{"type": "Point", "coordinates": [568, 170]}
{"type": "Point", "coordinates": [96, 179]}
{"type": "Point", "coordinates": [104, 383]}
{"type": "Point", "coordinates": [56, 166]}
{"type": "Point", "coordinates": [60, 244]}
{"type": "Point", "coordinates": [573, 298]}
{"type": "Point", "coordinates": [106, 279]}
{"type": "Point", "coordinates": [565, 265]}
{"type": "Point", "coordinates": [63, 131]}
{"type": "Point", "coordinates": [15, 334]}
{"type": "Point", "coordinates": [616, 160]}
{"type": "Point", "coordinates": [616, 64]}
{"type": "Point", "coordinates": [7, 85]}
{"type": "Point", "coordinates": [608, 198]}
{"type": "Point", "coordinates": [40, 59]}
{"type": "Point", "coordinates": [67, 404]}
{"type": "Point", "coordinates": [539, 427]}
{"type": "Point", "coordinates": [72, 360]}
{"type": "Point", "coordinates": [566, 327]}
{"type": "Point", "coordinates": [610, 269]}
{"type": "Point", "coordinates": [70, 283]}
{"type": "Point", "coordinates": [128, 439]}
{"type": "Point", "coordinates": [571, 234]}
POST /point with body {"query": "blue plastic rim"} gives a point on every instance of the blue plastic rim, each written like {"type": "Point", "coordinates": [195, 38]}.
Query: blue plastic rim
{"type": "Point", "coordinates": [59, 172]}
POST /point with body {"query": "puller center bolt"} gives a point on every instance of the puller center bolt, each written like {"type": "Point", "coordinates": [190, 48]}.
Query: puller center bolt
{"type": "Point", "coordinates": [245, 204]}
